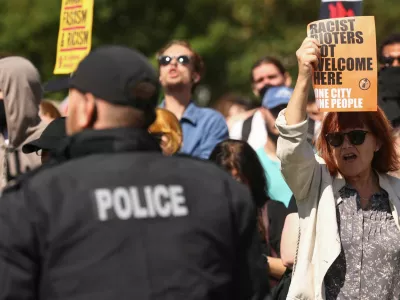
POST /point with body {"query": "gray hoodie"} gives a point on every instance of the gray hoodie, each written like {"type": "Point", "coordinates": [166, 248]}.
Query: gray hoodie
{"type": "Point", "coordinates": [22, 93]}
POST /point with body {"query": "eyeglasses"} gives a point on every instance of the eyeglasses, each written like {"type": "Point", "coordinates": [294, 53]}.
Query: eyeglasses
{"type": "Point", "coordinates": [165, 60]}
{"type": "Point", "coordinates": [389, 60]}
{"type": "Point", "coordinates": [356, 137]}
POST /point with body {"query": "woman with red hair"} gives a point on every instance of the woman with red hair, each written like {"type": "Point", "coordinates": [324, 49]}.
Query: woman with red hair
{"type": "Point", "coordinates": [349, 242]}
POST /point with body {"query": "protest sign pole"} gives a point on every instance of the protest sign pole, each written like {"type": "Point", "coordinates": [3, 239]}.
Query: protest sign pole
{"type": "Point", "coordinates": [346, 76]}
{"type": "Point", "coordinates": [340, 9]}
{"type": "Point", "coordinates": [75, 34]}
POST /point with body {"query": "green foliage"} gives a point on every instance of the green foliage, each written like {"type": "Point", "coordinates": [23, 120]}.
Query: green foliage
{"type": "Point", "coordinates": [229, 34]}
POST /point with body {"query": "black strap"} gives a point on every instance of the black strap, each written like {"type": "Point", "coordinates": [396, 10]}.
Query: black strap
{"type": "Point", "coordinates": [311, 128]}
{"type": "Point", "coordinates": [13, 156]}
{"type": "Point", "coordinates": [246, 129]}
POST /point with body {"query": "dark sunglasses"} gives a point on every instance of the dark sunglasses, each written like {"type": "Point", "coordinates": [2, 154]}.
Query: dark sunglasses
{"type": "Point", "coordinates": [389, 60]}
{"type": "Point", "coordinates": [356, 137]}
{"type": "Point", "coordinates": [165, 60]}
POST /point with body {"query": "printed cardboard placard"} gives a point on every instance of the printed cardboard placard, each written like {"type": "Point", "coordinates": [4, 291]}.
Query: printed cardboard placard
{"type": "Point", "coordinates": [75, 34]}
{"type": "Point", "coordinates": [346, 76]}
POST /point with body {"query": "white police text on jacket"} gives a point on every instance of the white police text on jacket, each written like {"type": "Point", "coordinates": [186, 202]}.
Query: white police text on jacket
{"type": "Point", "coordinates": [141, 202]}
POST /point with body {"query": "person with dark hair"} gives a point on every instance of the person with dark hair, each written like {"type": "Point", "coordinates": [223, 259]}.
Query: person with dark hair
{"type": "Point", "coordinates": [389, 78]}
{"type": "Point", "coordinates": [115, 218]}
{"type": "Point", "coordinates": [265, 73]}
{"type": "Point", "coordinates": [389, 51]}
{"type": "Point", "coordinates": [181, 69]}
{"type": "Point", "coordinates": [241, 161]}
{"type": "Point", "coordinates": [268, 71]}
{"type": "Point", "coordinates": [349, 245]}
{"type": "Point", "coordinates": [238, 158]}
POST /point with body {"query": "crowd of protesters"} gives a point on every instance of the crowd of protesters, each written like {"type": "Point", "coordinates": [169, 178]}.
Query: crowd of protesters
{"type": "Point", "coordinates": [113, 195]}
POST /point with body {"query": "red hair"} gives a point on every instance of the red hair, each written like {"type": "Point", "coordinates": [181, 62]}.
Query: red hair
{"type": "Point", "coordinates": [385, 159]}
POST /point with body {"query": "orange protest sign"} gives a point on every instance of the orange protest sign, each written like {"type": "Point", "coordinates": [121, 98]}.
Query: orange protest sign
{"type": "Point", "coordinates": [346, 76]}
{"type": "Point", "coordinates": [75, 34]}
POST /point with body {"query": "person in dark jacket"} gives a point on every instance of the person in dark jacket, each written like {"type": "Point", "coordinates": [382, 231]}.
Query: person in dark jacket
{"type": "Point", "coordinates": [116, 219]}
{"type": "Point", "coordinates": [49, 141]}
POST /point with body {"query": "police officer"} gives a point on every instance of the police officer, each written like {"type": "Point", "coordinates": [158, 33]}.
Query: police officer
{"type": "Point", "coordinates": [118, 220]}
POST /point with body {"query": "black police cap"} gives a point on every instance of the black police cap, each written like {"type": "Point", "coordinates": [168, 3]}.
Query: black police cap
{"type": "Point", "coordinates": [116, 74]}
{"type": "Point", "coordinates": [50, 138]}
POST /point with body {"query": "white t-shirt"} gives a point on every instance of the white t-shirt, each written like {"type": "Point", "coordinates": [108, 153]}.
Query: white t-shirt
{"type": "Point", "coordinates": [258, 133]}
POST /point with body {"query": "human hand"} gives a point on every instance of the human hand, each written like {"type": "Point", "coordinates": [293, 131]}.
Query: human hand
{"type": "Point", "coordinates": [307, 57]}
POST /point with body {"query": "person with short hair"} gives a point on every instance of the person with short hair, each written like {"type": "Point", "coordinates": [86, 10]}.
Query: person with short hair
{"type": "Point", "coordinates": [349, 244]}
{"type": "Point", "coordinates": [389, 78]}
{"type": "Point", "coordinates": [389, 51]}
{"type": "Point", "coordinates": [181, 69]}
{"type": "Point", "coordinates": [117, 219]}
{"type": "Point", "coordinates": [265, 73]}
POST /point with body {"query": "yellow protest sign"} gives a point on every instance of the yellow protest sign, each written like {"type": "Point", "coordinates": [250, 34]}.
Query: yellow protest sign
{"type": "Point", "coordinates": [75, 34]}
{"type": "Point", "coordinates": [346, 76]}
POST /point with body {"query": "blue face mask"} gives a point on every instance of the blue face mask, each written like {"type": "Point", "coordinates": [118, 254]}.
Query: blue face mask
{"type": "Point", "coordinates": [264, 90]}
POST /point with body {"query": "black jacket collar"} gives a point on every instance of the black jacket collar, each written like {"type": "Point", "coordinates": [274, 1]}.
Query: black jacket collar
{"type": "Point", "coordinates": [107, 141]}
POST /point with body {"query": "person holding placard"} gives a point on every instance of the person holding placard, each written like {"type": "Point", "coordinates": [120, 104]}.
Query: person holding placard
{"type": "Point", "coordinates": [349, 244]}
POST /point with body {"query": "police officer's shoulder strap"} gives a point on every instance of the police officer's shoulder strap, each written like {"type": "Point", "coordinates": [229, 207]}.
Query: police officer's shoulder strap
{"type": "Point", "coordinates": [246, 128]}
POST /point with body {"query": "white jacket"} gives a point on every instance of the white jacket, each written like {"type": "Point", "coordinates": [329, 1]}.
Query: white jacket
{"type": "Point", "coordinates": [317, 194]}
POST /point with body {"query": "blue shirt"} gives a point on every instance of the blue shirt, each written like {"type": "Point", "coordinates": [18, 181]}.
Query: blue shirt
{"type": "Point", "coordinates": [203, 129]}
{"type": "Point", "coordinates": [277, 188]}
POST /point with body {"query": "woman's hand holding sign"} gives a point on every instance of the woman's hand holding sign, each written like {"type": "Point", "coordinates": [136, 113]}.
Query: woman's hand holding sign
{"type": "Point", "coordinates": [307, 57]}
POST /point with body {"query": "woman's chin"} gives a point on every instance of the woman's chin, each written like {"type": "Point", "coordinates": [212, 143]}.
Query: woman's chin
{"type": "Point", "coordinates": [352, 171]}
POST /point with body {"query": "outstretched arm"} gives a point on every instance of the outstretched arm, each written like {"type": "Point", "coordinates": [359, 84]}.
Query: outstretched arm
{"type": "Point", "coordinates": [296, 154]}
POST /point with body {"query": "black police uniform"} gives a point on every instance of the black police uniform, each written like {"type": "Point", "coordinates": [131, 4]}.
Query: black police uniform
{"type": "Point", "coordinates": [118, 220]}
{"type": "Point", "coordinates": [61, 238]}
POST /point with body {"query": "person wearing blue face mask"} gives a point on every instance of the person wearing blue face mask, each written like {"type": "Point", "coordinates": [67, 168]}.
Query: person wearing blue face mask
{"type": "Point", "coordinates": [266, 72]}
{"type": "Point", "coordinates": [274, 100]}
